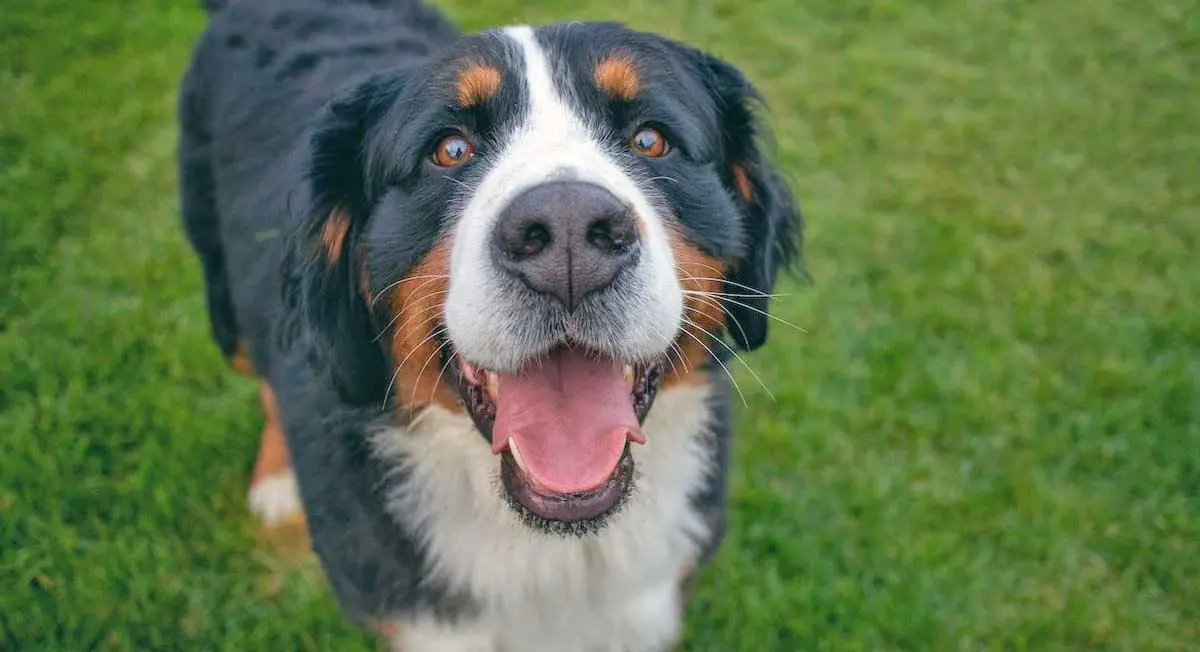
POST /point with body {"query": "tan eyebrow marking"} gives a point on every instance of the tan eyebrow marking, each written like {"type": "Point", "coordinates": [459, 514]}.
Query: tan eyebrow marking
{"type": "Point", "coordinates": [476, 83]}
{"type": "Point", "coordinates": [618, 77]}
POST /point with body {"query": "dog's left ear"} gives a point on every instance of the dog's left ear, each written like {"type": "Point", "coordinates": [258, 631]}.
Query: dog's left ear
{"type": "Point", "coordinates": [324, 284]}
{"type": "Point", "coordinates": [774, 229]}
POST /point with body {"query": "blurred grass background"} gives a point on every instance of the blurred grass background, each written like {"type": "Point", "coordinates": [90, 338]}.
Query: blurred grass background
{"type": "Point", "coordinates": [989, 439]}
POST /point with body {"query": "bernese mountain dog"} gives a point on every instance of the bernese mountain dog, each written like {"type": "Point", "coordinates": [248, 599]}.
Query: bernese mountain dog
{"type": "Point", "coordinates": [490, 285]}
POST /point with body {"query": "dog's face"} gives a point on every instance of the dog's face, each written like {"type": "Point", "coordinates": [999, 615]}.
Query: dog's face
{"type": "Point", "coordinates": [541, 228]}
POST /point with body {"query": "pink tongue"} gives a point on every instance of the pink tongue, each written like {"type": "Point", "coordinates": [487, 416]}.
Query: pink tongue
{"type": "Point", "coordinates": [569, 416]}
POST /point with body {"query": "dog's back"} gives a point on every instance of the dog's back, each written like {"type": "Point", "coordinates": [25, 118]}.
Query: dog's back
{"type": "Point", "coordinates": [259, 75]}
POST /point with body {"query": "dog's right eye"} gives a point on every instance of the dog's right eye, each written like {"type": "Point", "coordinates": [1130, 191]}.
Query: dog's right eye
{"type": "Point", "coordinates": [650, 142]}
{"type": "Point", "coordinates": [452, 150]}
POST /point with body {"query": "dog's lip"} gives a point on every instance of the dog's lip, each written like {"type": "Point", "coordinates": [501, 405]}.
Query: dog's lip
{"type": "Point", "coordinates": [566, 507]}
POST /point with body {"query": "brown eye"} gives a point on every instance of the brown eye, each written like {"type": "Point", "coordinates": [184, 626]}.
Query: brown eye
{"type": "Point", "coordinates": [451, 151]}
{"type": "Point", "coordinates": [649, 142]}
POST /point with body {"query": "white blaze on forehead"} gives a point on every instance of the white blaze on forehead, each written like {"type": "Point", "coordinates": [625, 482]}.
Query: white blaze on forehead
{"type": "Point", "coordinates": [549, 116]}
{"type": "Point", "coordinates": [553, 142]}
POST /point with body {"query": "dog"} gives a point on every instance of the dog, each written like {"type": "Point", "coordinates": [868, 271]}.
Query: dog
{"type": "Point", "coordinates": [490, 286]}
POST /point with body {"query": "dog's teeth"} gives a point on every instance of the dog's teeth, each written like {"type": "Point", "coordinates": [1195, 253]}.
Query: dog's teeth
{"type": "Point", "coordinates": [628, 373]}
{"type": "Point", "coordinates": [493, 385]}
{"type": "Point", "coordinates": [469, 372]}
{"type": "Point", "coordinates": [516, 455]}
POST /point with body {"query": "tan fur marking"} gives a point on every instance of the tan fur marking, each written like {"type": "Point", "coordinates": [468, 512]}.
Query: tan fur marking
{"type": "Point", "coordinates": [287, 539]}
{"type": "Point", "coordinates": [618, 77]}
{"type": "Point", "coordinates": [240, 361]}
{"type": "Point", "coordinates": [742, 182]}
{"type": "Point", "coordinates": [273, 454]}
{"type": "Point", "coordinates": [333, 235]}
{"type": "Point", "coordinates": [288, 542]}
{"type": "Point", "coordinates": [697, 272]}
{"type": "Point", "coordinates": [417, 306]}
{"type": "Point", "coordinates": [476, 83]}
{"type": "Point", "coordinates": [387, 631]}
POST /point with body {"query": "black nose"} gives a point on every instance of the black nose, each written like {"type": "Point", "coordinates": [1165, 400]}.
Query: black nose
{"type": "Point", "coordinates": [566, 239]}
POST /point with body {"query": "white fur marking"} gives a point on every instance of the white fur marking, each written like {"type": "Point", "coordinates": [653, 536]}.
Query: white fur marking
{"type": "Point", "coordinates": [275, 498]}
{"type": "Point", "coordinates": [424, 636]}
{"type": "Point", "coordinates": [547, 593]}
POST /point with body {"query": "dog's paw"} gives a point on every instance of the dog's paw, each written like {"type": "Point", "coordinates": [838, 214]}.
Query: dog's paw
{"type": "Point", "coordinates": [275, 499]}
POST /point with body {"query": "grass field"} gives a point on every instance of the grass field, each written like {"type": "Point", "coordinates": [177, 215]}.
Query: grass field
{"type": "Point", "coordinates": [989, 438]}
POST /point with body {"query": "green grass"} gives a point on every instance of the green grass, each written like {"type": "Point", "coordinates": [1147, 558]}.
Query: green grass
{"type": "Point", "coordinates": [989, 439]}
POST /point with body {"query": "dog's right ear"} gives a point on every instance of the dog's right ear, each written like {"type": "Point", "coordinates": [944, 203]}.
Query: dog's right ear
{"type": "Point", "coordinates": [324, 273]}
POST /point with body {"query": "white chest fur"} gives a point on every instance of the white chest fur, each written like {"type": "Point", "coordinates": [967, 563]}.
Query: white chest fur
{"type": "Point", "coordinates": [613, 591]}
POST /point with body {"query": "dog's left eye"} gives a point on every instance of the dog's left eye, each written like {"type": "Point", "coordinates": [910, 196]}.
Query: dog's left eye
{"type": "Point", "coordinates": [650, 142]}
{"type": "Point", "coordinates": [452, 150]}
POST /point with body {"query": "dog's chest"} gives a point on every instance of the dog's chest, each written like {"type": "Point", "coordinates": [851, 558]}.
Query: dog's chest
{"type": "Point", "coordinates": [614, 590]}
{"type": "Point", "coordinates": [647, 622]}
{"type": "Point", "coordinates": [635, 608]}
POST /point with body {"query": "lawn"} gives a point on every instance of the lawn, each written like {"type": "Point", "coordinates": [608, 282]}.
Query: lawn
{"type": "Point", "coordinates": [987, 439]}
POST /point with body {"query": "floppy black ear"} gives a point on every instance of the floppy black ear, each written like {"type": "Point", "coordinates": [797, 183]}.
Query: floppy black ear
{"type": "Point", "coordinates": [773, 225]}
{"type": "Point", "coordinates": [324, 283]}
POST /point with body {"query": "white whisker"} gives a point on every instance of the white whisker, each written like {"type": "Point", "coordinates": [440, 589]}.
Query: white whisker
{"type": "Point", "coordinates": [756, 291]}
{"type": "Point", "coordinates": [706, 297]}
{"type": "Point", "coordinates": [438, 382]}
{"type": "Point", "coordinates": [718, 272]}
{"type": "Point", "coordinates": [675, 349]}
{"type": "Point", "coordinates": [432, 334]}
{"type": "Point", "coordinates": [417, 383]}
{"type": "Point", "coordinates": [725, 311]}
{"type": "Point", "coordinates": [406, 279]}
{"type": "Point", "coordinates": [768, 315]}
{"type": "Point", "coordinates": [731, 294]}
{"type": "Point", "coordinates": [718, 361]}
{"type": "Point", "coordinates": [416, 292]}
{"type": "Point", "coordinates": [735, 355]}
{"type": "Point", "coordinates": [434, 314]}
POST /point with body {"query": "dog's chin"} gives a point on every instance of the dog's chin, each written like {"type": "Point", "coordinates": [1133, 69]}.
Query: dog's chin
{"type": "Point", "coordinates": [578, 514]}
{"type": "Point", "coordinates": [562, 428]}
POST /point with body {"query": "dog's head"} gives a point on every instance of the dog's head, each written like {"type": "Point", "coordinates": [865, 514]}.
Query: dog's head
{"type": "Point", "coordinates": [541, 228]}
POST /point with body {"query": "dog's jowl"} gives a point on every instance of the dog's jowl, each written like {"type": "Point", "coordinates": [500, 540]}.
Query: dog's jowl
{"type": "Point", "coordinates": [484, 281]}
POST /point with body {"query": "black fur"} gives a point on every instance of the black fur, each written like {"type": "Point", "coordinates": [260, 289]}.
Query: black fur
{"type": "Point", "coordinates": [332, 295]}
{"type": "Point", "coordinates": [294, 110]}
{"type": "Point", "coordinates": [774, 230]}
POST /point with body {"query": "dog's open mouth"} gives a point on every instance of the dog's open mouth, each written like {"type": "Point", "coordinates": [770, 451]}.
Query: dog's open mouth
{"type": "Point", "coordinates": [563, 427]}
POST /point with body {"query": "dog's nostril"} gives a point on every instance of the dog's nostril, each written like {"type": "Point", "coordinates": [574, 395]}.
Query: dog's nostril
{"type": "Point", "coordinates": [521, 239]}
{"type": "Point", "coordinates": [535, 239]}
{"type": "Point", "coordinates": [600, 236]}
{"type": "Point", "coordinates": [611, 235]}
